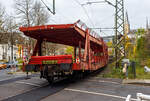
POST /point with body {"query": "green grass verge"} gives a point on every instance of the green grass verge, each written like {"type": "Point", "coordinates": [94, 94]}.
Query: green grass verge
{"type": "Point", "coordinates": [117, 72]}
{"type": "Point", "coordinates": [112, 72]}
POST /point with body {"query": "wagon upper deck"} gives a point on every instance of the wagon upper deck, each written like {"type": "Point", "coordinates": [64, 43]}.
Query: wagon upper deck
{"type": "Point", "coordinates": [67, 34]}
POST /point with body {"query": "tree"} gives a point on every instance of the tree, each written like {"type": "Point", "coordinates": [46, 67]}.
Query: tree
{"type": "Point", "coordinates": [31, 13]}
{"type": "Point", "coordinates": [70, 50]}
{"type": "Point", "coordinates": [2, 20]}
{"type": "Point", "coordinates": [40, 15]}
{"type": "Point", "coordinates": [6, 25]}
{"type": "Point", "coordinates": [24, 11]}
{"type": "Point", "coordinates": [140, 31]}
{"type": "Point", "coordinates": [2, 14]}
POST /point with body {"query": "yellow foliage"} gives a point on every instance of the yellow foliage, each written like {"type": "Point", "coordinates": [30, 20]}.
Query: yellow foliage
{"type": "Point", "coordinates": [109, 44]}
{"type": "Point", "coordinates": [70, 50]}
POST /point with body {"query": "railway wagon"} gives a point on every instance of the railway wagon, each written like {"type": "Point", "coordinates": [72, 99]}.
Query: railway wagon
{"type": "Point", "coordinates": [90, 51]}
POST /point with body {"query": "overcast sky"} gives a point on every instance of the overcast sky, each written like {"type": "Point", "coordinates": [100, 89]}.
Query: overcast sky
{"type": "Point", "coordinates": [101, 15]}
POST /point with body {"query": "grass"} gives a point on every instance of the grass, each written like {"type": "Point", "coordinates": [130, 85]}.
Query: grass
{"type": "Point", "coordinates": [141, 74]}
{"type": "Point", "coordinates": [112, 72]}
{"type": "Point", "coordinates": [115, 73]}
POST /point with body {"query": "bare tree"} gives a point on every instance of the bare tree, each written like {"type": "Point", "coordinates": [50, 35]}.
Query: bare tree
{"type": "Point", "coordinates": [31, 12]}
{"type": "Point", "coordinates": [2, 24]}
{"type": "Point", "coordinates": [40, 14]}
{"type": "Point", "coordinates": [2, 13]}
{"type": "Point", "coordinates": [24, 11]}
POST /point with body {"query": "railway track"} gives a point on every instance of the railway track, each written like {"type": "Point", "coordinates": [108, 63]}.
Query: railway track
{"type": "Point", "coordinates": [94, 87]}
{"type": "Point", "coordinates": [40, 92]}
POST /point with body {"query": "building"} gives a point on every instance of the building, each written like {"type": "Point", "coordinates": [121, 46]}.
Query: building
{"type": "Point", "coordinates": [5, 52]}
{"type": "Point", "coordinates": [108, 38]}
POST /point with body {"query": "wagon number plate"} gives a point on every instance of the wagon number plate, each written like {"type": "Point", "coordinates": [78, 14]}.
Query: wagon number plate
{"type": "Point", "coordinates": [50, 62]}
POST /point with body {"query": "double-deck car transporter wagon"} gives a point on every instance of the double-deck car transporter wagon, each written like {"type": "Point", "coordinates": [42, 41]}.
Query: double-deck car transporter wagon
{"type": "Point", "coordinates": [90, 51]}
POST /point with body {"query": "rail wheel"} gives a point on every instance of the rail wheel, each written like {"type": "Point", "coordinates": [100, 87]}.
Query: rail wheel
{"type": "Point", "coordinates": [50, 79]}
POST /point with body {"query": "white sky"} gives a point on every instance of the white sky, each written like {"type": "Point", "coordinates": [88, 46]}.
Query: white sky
{"type": "Point", "coordinates": [102, 15]}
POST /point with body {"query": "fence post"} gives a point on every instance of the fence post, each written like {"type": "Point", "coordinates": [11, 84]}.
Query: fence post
{"type": "Point", "coordinates": [138, 96]}
{"type": "Point", "coordinates": [128, 98]}
{"type": "Point", "coordinates": [133, 68]}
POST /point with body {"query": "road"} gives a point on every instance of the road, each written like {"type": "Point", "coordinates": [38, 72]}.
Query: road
{"type": "Point", "coordinates": [4, 75]}
{"type": "Point", "coordinates": [89, 89]}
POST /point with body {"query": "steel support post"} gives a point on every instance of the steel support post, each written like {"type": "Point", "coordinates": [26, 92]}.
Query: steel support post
{"type": "Point", "coordinates": [119, 32]}
{"type": "Point", "coordinates": [75, 54]}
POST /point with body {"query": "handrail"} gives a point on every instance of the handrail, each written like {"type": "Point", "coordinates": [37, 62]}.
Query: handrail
{"type": "Point", "coordinates": [84, 27]}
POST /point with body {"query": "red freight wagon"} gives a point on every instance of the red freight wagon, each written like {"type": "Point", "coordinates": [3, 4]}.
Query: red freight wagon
{"type": "Point", "coordinates": [90, 51]}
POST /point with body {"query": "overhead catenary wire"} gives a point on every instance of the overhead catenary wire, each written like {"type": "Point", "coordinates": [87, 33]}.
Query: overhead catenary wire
{"type": "Point", "coordinates": [103, 20]}
{"type": "Point", "coordinates": [47, 7]}
{"type": "Point", "coordinates": [59, 12]}
{"type": "Point", "coordinates": [89, 3]}
{"type": "Point", "coordinates": [45, 2]}
{"type": "Point", "coordinates": [85, 12]}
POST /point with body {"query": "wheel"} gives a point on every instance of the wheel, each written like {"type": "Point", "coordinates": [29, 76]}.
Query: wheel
{"type": "Point", "coordinates": [50, 79]}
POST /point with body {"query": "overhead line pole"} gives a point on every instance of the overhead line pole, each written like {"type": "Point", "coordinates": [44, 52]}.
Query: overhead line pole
{"type": "Point", "coordinates": [119, 32]}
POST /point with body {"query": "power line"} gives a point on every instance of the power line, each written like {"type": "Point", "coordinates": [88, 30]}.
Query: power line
{"type": "Point", "coordinates": [88, 16]}
{"type": "Point", "coordinates": [119, 29]}
{"type": "Point", "coordinates": [61, 14]}
{"type": "Point", "coordinates": [53, 21]}
{"type": "Point", "coordinates": [85, 12]}
{"type": "Point", "coordinates": [89, 3]}
{"type": "Point", "coordinates": [104, 28]}
{"type": "Point", "coordinates": [53, 12]}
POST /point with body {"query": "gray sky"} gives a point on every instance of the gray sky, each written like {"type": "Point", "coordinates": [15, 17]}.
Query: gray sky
{"type": "Point", "coordinates": [102, 15]}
